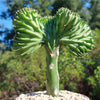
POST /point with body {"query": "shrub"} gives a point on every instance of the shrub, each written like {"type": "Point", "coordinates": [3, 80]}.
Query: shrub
{"type": "Point", "coordinates": [71, 71]}
{"type": "Point", "coordinates": [81, 74]}
{"type": "Point", "coordinates": [19, 75]}
{"type": "Point", "coordinates": [94, 82]}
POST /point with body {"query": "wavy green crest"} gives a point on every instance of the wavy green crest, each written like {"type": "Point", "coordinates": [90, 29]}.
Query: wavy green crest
{"type": "Point", "coordinates": [66, 27]}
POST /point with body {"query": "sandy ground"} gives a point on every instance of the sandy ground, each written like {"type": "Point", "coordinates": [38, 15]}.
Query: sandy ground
{"type": "Point", "coordinates": [42, 95]}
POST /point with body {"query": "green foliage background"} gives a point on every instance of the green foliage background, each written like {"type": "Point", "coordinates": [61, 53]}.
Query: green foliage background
{"type": "Point", "coordinates": [28, 74]}
{"type": "Point", "coordinates": [23, 75]}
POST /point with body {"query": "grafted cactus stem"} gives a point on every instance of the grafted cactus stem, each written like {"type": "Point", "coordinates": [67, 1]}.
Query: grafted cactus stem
{"type": "Point", "coordinates": [66, 27]}
{"type": "Point", "coordinates": [52, 72]}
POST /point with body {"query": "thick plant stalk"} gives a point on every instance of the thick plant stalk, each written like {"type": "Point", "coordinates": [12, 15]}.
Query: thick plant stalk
{"type": "Point", "coordinates": [52, 72]}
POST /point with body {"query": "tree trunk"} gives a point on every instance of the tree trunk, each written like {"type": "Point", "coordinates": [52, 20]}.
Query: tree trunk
{"type": "Point", "coordinates": [52, 72]}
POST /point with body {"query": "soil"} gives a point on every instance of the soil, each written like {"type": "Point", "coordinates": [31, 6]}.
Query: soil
{"type": "Point", "coordinates": [42, 95]}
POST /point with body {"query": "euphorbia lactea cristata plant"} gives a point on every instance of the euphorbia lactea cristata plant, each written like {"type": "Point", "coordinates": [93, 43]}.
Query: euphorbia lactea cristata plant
{"type": "Point", "coordinates": [65, 28]}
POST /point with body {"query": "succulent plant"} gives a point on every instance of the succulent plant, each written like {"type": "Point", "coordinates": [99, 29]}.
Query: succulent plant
{"type": "Point", "coordinates": [65, 28]}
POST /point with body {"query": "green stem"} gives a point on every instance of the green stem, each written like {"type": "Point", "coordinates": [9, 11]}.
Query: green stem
{"type": "Point", "coordinates": [52, 72]}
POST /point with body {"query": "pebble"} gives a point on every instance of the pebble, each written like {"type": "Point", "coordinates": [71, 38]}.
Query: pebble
{"type": "Point", "coordinates": [42, 95]}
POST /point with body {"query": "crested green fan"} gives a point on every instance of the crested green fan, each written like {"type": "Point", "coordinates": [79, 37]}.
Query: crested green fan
{"type": "Point", "coordinates": [69, 29]}
{"type": "Point", "coordinates": [29, 31]}
{"type": "Point", "coordinates": [66, 27]}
